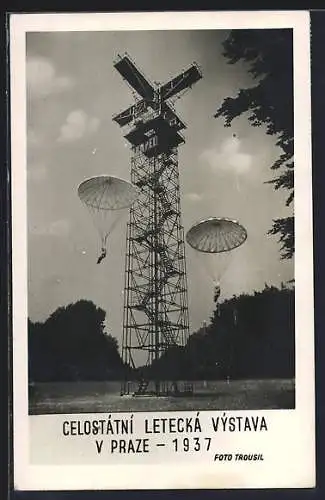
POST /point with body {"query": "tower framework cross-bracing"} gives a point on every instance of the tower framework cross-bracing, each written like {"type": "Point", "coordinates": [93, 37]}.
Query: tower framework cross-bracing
{"type": "Point", "coordinates": [155, 318]}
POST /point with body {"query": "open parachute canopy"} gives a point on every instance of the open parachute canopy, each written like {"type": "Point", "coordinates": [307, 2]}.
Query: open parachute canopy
{"type": "Point", "coordinates": [107, 198]}
{"type": "Point", "coordinates": [214, 239]}
{"type": "Point", "coordinates": [216, 235]}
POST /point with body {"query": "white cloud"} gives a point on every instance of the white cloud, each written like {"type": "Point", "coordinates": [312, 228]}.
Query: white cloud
{"type": "Point", "coordinates": [42, 78]}
{"type": "Point", "coordinates": [77, 125]}
{"type": "Point", "coordinates": [228, 157]}
{"type": "Point", "coordinates": [193, 197]}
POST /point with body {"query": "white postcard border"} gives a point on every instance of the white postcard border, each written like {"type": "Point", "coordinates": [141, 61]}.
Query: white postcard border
{"type": "Point", "coordinates": [293, 425]}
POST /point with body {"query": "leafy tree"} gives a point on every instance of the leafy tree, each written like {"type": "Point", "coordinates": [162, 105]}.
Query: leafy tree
{"type": "Point", "coordinates": [270, 102]}
{"type": "Point", "coordinates": [251, 336]}
{"type": "Point", "coordinates": [261, 342]}
{"type": "Point", "coordinates": [72, 345]}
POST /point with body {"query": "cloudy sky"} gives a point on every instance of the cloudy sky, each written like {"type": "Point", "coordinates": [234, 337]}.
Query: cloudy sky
{"type": "Point", "coordinates": [72, 92]}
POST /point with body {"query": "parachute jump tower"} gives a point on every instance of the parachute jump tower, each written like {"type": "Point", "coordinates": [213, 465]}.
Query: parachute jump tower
{"type": "Point", "coordinates": [155, 291]}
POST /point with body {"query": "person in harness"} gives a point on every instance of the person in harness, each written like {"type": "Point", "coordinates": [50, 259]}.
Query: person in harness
{"type": "Point", "coordinates": [102, 255]}
{"type": "Point", "coordinates": [217, 291]}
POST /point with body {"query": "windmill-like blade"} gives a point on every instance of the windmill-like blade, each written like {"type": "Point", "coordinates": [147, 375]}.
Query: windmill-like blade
{"type": "Point", "coordinates": [181, 82]}
{"type": "Point", "coordinates": [129, 114]}
{"type": "Point", "coordinates": [132, 112]}
{"type": "Point", "coordinates": [134, 77]}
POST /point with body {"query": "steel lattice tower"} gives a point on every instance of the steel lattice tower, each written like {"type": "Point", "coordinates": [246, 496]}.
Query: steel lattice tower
{"type": "Point", "coordinates": [155, 292]}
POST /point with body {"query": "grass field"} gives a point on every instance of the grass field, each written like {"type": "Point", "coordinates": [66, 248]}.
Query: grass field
{"type": "Point", "coordinates": [92, 397]}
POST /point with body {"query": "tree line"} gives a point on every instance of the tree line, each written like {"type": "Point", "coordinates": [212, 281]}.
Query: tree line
{"type": "Point", "coordinates": [72, 345]}
{"type": "Point", "coordinates": [249, 336]}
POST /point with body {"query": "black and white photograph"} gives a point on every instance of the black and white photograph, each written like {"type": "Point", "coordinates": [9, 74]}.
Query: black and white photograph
{"type": "Point", "coordinates": [162, 242]}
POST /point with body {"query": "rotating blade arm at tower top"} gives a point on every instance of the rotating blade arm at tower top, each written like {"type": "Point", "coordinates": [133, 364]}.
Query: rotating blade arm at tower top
{"type": "Point", "coordinates": [143, 87]}
{"type": "Point", "coordinates": [181, 82]}
{"type": "Point", "coordinates": [131, 113]}
{"type": "Point", "coordinates": [134, 77]}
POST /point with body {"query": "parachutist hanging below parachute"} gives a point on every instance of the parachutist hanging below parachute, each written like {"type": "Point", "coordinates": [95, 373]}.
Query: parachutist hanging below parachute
{"type": "Point", "coordinates": [214, 239]}
{"type": "Point", "coordinates": [102, 255]}
{"type": "Point", "coordinates": [217, 292]}
{"type": "Point", "coordinates": [107, 198]}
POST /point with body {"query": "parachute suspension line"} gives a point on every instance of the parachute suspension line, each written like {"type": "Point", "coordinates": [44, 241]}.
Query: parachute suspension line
{"type": "Point", "coordinates": [104, 242]}
{"type": "Point", "coordinates": [226, 258]}
{"type": "Point", "coordinates": [113, 225]}
{"type": "Point", "coordinates": [104, 236]}
{"type": "Point", "coordinates": [214, 265]}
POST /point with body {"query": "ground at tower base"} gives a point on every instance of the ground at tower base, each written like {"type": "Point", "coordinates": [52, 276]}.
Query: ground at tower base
{"type": "Point", "coordinates": [102, 397]}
